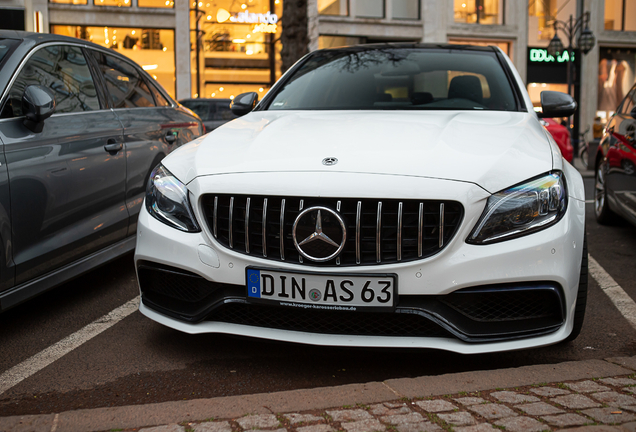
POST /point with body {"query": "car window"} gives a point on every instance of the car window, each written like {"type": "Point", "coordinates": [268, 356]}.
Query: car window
{"type": "Point", "coordinates": [202, 108]}
{"type": "Point", "coordinates": [6, 46]}
{"type": "Point", "coordinates": [223, 112]}
{"type": "Point", "coordinates": [630, 101]}
{"type": "Point", "coordinates": [123, 82]}
{"type": "Point", "coordinates": [62, 69]}
{"type": "Point", "coordinates": [160, 100]}
{"type": "Point", "coordinates": [394, 78]}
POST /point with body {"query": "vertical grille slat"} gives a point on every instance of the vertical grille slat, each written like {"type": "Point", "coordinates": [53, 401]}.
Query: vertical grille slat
{"type": "Point", "coordinates": [247, 226]}
{"type": "Point", "coordinates": [358, 233]}
{"type": "Point", "coordinates": [265, 228]}
{"type": "Point", "coordinates": [399, 232]}
{"type": "Point", "coordinates": [379, 231]}
{"type": "Point", "coordinates": [230, 230]}
{"type": "Point", "coordinates": [282, 230]}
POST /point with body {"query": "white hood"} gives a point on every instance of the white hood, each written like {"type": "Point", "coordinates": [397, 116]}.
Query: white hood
{"type": "Point", "coordinates": [492, 149]}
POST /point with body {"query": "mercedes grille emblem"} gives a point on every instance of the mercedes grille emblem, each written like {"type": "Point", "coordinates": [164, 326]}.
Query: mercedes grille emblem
{"type": "Point", "coordinates": [329, 161]}
{"type": "Point", "coordinates": [319, 234]}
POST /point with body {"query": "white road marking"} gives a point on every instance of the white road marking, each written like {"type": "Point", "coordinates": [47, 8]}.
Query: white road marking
{"type": "Point", "coordinates": [589, 201]}
{"type": "Point", "coordinates": [623, 302]}
{"type": "Point", "coordinates": [45, 357]}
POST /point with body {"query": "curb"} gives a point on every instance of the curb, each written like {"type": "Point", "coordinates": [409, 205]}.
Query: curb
{"type": "Point", "coordinates": [135, 416]}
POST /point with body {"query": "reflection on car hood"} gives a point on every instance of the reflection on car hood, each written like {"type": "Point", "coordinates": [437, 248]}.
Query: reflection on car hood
{"type": "Point", "coordinates": [493, 149]}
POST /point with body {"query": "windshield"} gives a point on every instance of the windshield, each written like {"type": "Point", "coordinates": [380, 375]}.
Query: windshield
{"type": "Point", "coordinates": [397, 79]}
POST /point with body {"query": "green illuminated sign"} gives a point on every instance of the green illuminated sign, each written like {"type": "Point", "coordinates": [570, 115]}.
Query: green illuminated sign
{"type": "Point", "coordinates": [540, 55]}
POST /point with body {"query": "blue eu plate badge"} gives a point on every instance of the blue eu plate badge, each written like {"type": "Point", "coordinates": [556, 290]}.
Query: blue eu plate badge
{"type": "Point", "coordinates": [253, 283]}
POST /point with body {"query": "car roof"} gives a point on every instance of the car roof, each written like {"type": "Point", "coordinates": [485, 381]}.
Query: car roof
{"type": "Point", "coordinates": [403, 45]}
{"type": "Point", "coordinates": [40, 38]}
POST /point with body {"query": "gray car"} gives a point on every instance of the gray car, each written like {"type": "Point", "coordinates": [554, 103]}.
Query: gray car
{"type": "Point", "coordinates": [81, 128]}
{"type": "Point", "coordinates": [213, 112]}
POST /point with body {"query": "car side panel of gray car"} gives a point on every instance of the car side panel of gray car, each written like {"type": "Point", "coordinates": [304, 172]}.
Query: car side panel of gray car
{"type": "Point", "coordinates": [76, 187]}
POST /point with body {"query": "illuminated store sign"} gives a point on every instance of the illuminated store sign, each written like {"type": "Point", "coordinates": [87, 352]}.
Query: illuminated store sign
{"type": "Point", "coordinates": [540, 55]}
{"type": "Point", "coordinates": [247, 17]}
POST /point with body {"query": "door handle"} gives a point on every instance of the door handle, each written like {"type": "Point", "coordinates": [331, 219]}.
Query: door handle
{"type": "Point", "coordinates": [112, 146]}
{"type": "Point", "coordinates": [171, 137]}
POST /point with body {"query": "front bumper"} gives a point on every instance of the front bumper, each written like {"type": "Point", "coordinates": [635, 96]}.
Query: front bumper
{"type": "Point", "coordinates": [542, 269]}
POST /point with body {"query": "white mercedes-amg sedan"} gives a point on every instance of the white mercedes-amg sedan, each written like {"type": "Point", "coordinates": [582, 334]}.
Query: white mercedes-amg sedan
{"type": "Point", "coordinates": [377, 196]}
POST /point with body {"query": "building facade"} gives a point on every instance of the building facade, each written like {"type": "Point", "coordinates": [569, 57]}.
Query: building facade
{"type": "Point", "coordinates": [221, 48]}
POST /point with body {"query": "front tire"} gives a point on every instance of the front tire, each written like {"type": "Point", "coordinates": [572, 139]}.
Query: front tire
{"type": "Point", "coordinates": [581, 297]}
{"type": "Point", "coordinates": [604, 215]}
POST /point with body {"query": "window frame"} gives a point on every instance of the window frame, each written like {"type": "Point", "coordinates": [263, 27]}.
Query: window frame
{"type": "Point", "coordinates": [96, 81]}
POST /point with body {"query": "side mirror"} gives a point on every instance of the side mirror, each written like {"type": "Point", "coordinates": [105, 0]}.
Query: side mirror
{"type": "Point", "coordinates": [244, 103]}
{"type": "Point", "coordinates": [38, 103]}
{"type": "Point", "coordinates": [556, 104]}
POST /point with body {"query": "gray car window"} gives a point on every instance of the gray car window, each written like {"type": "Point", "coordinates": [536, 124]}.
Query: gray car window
{"type": "Point", "coordinates": [62, 69]}
{"type": "Point", "coordinates": [159, 98]}
{"type": "Point", "coordinates": [124, 84]}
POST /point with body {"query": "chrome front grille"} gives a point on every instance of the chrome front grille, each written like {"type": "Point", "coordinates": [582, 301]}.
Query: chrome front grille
{"type": "Point", "coordinates": [378, 231]}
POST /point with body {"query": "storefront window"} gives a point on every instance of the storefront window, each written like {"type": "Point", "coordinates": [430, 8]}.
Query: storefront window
{"type": "Point", "coordinates": [616, 75]}
{"type": "Point", "coordinates": [370, 9]}
{"type": "Point", "coordinates": [620, 15]}
{"type": "Point", "coordinates": [541, 16]}
{"type": "Point", "coordinates": [338, 41]}
{"type": "Point", "coordinates": [238, 51]}
{"type": "Point", "coordinates": [479, 11]}
{"type": "Point", "coordinates": [406, 9]}
{"type": "Point", "coordinates": [152, 49]}
{"type": "Point", "coordinates": [333, 7]}
{"type": "Point", "coordinates": [75, 2]}
{"type": "Point", "coordinates": [118, 3]}
{"type": "Point", "coordinates": [156, 3]}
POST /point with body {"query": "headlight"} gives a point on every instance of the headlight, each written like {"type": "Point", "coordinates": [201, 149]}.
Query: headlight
{"type": "Point", "coordinates": [167, 200]}
{"type": "Point", "coordinates": [522, 209]}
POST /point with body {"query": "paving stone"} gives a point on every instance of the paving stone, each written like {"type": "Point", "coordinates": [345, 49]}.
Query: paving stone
{"type": "Point", "coordinates": [434, 406]}
{"type": "Point", "coordinates": [164, 428]}
{"type": "Point", "coordinates": [315, 428]}
{"type": "Point", "coordinates": [618, 381]}
{"type": "Point", "coordinates": [383, 410]}
{"type": "Point", "coordinates": [295, 418]}
{"type": "Point", "coordinates": [258, 421]}
{"type": "Point", "coordinates": [350, 415]}
{"type": "Point", "coordinates": [269, 430]}
{"type": "Point", "coordinates": [393, 405]}
{"type": "Point", "coordinates": [604, 415]}
{"type": "Point", "coordinates": [522, 424]}
{"type": "Point", "coordinates": [575, 401]}
{"type": "Point", "coordinates": [213, 427]}
{"type": "Point", "coordinates": [630, 389]}
{"type": "Point", "coordinates": [461, 418]}
{"type": "Point", "coordinates": [512, 397]}
{"type": "Point", "coordinates": [403, 418]}
{"type": "Point", "coordinates": [419, 427]}
{"type": "Point", "coordinates": [586, 387]}
{"type": "Point", "coordinates": [549, 391]}
{"type": "Point", "coordinates": [371, 425]}
{"type": "Point", "coordinates": [597, 428]}
{"type": "Point", "coordinates": [469, 400]}
{"type": "Point", "coordinates": [539, 409]}
{"type": "Point", "coordinates": [614, 398]}
{"type": "Point", "coordinates": [492, 411]}
{"type": "Point", "coordinates": [629, 407]}
{"type": "Point", "coordinates": [481, 427]}
{"type": "Point", "coordinates": [566, 420]}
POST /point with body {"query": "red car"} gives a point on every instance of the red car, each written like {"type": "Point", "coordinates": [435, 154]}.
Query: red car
{"type": "Point", "coordinates": [562, 137]}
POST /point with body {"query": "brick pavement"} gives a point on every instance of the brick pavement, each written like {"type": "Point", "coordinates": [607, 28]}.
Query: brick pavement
{"type": "Point", "coordinates": [590, 395]}
{"type": "Point", "coordinates": [600, 405]}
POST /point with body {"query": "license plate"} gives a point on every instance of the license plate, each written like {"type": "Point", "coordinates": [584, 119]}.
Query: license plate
{"type": "Point", "coordinates": [322, 291]}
